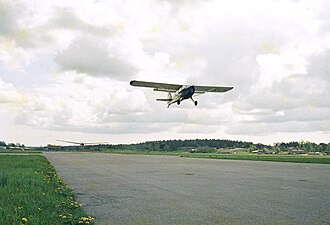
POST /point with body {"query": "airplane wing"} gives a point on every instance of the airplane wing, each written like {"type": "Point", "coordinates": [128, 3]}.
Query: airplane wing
{"type": "Point", "coordinates": [95, 143]}
{"type": "Point", "coordinates": [71, 142]}
{"type": "Point", "coordinates": [156, 86]}
{"type": "Point", "coordinates": [83, 143]}
{"type": "Point", "coordinates": [174, 87]}
{"type": "Point", "coordinates": [204, 89]}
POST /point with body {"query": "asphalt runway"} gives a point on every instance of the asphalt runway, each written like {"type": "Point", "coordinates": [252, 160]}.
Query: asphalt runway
{"type": "Point", "coordinates": [139, 189]}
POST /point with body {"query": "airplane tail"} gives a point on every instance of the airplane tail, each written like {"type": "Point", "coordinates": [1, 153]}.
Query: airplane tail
{"type": "Point", "coordinates": [164, 99]}
{"type": "Point", "coordinates": [168, 99]}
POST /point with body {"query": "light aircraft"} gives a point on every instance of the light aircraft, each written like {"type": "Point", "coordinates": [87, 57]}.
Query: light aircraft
{"type": "Point", "coordinates": [83, 143]}
{"type": "Point", "coordinates": [181, 92]}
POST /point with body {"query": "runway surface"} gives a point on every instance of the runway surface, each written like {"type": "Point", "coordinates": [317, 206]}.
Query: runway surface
{"type": "Point", "coordinates": [139, 189]}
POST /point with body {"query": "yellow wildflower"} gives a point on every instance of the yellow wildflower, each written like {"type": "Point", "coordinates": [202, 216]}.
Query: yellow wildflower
{"type": "Point", "coordinates": [24, 219]}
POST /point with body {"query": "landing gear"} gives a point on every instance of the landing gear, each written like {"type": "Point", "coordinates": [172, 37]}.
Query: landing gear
{"type": "Point", "coordinates": [195, 102]}
{"type": "Point", "coordinates": [179, 102]}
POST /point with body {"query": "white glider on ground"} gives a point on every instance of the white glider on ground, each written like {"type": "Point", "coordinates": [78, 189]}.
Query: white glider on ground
{"type": "Point", "coordinates": [181, 92]}
{"type": "Point", "coordinates": [83, 143]}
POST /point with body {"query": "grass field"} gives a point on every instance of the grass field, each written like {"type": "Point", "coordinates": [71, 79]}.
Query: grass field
{"type": "Point", "coordinates": [19, 151]}
{"type": "Point", "coordinates": [32, 193]}
{"type": "Point", "coordinates": [242, 156]}
{"type": "Point", "coordinates": [273, 158]}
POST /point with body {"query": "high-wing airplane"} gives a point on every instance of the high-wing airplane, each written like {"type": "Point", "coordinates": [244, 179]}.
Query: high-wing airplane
{"type": "Point", "coordinates": [180, 92]}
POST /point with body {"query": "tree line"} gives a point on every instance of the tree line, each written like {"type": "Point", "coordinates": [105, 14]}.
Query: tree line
{"type": "Point", "coordinates": [19, 145]}
{"type": "Point", "coordinates": [179, 145]}
{"type": "Point", "coordinates": [201, 144]}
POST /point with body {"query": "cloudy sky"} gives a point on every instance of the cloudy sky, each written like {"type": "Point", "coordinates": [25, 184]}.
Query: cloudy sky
{"type": "Point", "coordinates": [65, 68]}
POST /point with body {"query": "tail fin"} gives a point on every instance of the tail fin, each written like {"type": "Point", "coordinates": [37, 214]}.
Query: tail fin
{"type": "Point", "coordinates": [169, 98]}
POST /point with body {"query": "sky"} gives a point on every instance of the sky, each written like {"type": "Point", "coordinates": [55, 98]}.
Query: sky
{"type": "Point", "coordinates": [65, 68]}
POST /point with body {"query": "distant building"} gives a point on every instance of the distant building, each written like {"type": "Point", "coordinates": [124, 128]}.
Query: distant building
{"type": "Point", "coordinates": [315, 153]}
{"type": "Point", "coordinates": [14, 148]}
{"type": "Point", "coordinates": [296, 151]}
{"type": "Point", "coordinates": [53, 147]}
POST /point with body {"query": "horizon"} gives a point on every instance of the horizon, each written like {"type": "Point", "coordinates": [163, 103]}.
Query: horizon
{"type": "Point", "coordinates": [136, 143]}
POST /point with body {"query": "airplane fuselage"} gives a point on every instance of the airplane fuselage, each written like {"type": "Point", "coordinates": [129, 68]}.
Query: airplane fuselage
{"type": "Point", "coordinates": [187, 92]}
{"type": "Point", "coordinates": [182, 94]}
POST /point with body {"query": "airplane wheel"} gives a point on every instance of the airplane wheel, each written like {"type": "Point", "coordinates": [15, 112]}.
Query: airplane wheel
{"type": "Point", "coordinates": [196, 103]}
{"type": "Point", "coordinates": [179, 102]}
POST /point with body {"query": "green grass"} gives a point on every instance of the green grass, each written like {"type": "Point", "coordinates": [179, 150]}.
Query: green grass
{"type": "Point", "coordinates": [32, 193]}
{"type": "Point", "coordinates": [240, 156]}
{"type": "Point", "coordinates": [273, 158]}
{"type": "Point", "coordinates": [19, 151]}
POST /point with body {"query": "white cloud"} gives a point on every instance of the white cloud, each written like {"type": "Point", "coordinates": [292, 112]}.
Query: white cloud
{"type": "Point", "coordinates": [275, 67]}
{"type": "Point", "coordinates": [78, 101]}
{"type": "Point", "coordinates": [72, 62]}
{"type": "Point", "coordinates": [9, 94]}
{"type": "Point", "coordinates": [92, 56]}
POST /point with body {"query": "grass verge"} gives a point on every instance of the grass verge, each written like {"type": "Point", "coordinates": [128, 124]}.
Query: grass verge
{"type": "Point", "coordinates": [32, 193]}
{"type": "Point", "coordinates": [245, 156]}
{"type": "Point", "coordinates": [20, 151]}
{"type": "Point", "coordinates": [272, 158]}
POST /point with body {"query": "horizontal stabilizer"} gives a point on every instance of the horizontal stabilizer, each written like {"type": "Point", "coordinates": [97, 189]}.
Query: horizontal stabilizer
{"type": "Point", "coordinates": [164, 99]}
